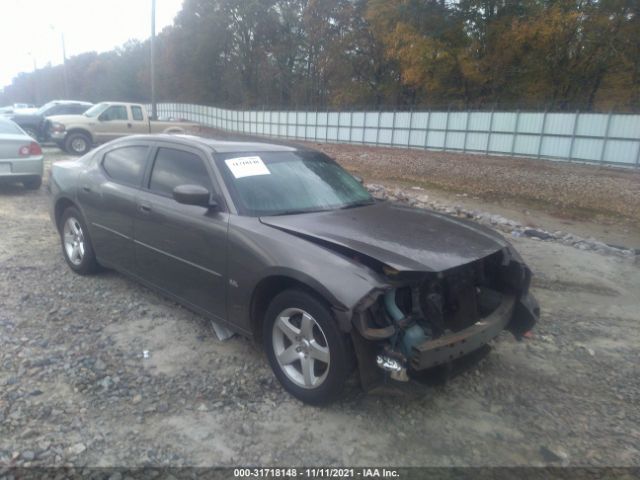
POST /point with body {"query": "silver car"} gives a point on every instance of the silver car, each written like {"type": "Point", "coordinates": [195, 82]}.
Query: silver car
{"type": "Point", "coordinates": [21, 158]}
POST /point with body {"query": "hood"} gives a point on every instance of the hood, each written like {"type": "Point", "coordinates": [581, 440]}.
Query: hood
{"type": "Point", "coordinates": [66, 119]}
{"type": "Point", "coordinates": [404, 238]}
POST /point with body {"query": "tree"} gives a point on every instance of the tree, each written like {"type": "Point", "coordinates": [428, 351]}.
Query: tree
{"type": "Point", "coordinates": [556, 54]}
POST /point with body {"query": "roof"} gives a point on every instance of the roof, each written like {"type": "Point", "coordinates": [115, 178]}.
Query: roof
{"type": "Point", "coordinates": [246, 145]}
{"type": "Point", "coordinates": [81, 102]}
{"type": "Point", "coordinates": [108, 102]}
{"type": "Point", "coordinates": [240, 144]}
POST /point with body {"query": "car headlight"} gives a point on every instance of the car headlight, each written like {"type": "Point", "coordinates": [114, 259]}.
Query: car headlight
{"type": "Point", "coordinates": [57, 127]}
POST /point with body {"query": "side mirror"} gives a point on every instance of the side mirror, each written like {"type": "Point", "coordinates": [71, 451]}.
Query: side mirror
{"type": "Point", "coordinates": [193, 195]}
{"type": "Point", "coordinates": [102, 117]}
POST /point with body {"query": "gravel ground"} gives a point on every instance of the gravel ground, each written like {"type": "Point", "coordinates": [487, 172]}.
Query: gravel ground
{"type": "Point", "coordinates": [570, 190]}
{"type": "Point", "coordinates": [76, 388]}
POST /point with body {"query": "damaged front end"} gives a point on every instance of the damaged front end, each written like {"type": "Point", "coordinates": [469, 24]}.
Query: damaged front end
{"type": "Point", "coordinates": [426, 319]}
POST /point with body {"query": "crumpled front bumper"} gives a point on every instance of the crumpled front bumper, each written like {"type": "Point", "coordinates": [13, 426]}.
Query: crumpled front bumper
{"type": "Point", "coordinates": [517, 315]}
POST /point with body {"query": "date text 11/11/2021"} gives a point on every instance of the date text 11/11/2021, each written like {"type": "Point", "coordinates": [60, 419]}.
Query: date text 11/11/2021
{"type": "Point", "coordinates": [318, 472]}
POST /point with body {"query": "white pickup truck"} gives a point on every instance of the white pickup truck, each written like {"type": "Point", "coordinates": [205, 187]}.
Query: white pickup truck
{"type": "Point", "coordinates": [77, 134]}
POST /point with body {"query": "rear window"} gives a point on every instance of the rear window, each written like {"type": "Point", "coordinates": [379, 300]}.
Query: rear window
{"type": "Point", "coordinates": [126, 164]}
{"type": "Point", "coordinates": [10, 127]}
{"type": "Point", "coordinates": [77, 109]}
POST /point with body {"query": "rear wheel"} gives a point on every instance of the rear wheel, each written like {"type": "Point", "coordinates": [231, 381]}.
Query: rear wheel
{"type": "Point", "coordinates": [76, 243]}
{"type": "Point", "coordinates": [77, 143]}
{"type": "Point", "coordinates": [307, 352]}
{"type": "Point", "coordinates": [32, 183]}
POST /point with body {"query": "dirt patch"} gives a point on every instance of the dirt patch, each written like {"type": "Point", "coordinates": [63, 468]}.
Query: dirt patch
{"type": "Point", "coordinates": [558, 187]}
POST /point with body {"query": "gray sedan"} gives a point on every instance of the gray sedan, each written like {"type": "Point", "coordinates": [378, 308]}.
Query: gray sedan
{"type": "Point", "coordinates": [21, 157]}
{"type": "Point", "coordinates": [280, 243]}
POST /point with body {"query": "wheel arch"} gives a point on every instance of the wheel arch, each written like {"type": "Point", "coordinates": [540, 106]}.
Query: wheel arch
{"type": "Point", "coordinates": [60, 206]}
{"type": "Point", "coordinates": [267, 288]}
{"type": "Point", "coordinates": [81, 130]}
{"type": "Point", "coordinates": [177, 130]}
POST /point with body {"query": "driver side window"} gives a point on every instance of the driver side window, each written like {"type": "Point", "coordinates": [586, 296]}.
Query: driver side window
{"type": "Point", "coordinates": [176, 167]}
{"type": "Point", "coordinates": [115, 112]}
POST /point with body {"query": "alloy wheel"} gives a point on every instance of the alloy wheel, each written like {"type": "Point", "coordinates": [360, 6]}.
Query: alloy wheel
{"type": "Point", "coordinates": [79, 145]}
{"type": "Point", "coordinates": [301, 348]}
{"type": "Point", "coordinates": [73, 241]}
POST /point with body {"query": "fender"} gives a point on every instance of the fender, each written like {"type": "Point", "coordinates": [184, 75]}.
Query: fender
{"type": "Point", "coordinates": [175, 130]}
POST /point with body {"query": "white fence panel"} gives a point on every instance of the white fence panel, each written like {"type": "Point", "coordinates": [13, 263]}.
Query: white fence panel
{"type": "Point", "coordinates": [611, 139]}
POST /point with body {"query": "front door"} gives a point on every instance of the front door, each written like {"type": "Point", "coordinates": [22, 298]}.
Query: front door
{"type": "Point", "coordinates": [182, 249]}
{"type": "Point", "coordinates": [114, 122]}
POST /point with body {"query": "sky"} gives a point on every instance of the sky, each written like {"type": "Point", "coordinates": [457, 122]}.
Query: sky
{"type": "Point", "coordinates": [31, 29]}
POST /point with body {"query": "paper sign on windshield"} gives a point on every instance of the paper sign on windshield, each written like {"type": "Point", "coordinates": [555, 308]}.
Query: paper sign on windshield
{"type": "Point", "coordinates": [247, 167]}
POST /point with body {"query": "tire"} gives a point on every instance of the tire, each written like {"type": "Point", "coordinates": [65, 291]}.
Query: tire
{"type": "Point", "coordinates": [77, 143]}
{"type": "Point", "coordinates": [297, 353]}
{"type": "Point", "coordinates": [76, 243]}
{"type": "Point", "coordinates": [32, 183]}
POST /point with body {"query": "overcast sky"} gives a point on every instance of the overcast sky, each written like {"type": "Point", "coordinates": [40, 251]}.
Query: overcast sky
{"type": "Point", "coordinates": [30, 29]}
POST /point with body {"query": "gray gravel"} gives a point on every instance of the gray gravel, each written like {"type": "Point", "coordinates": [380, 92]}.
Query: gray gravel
{"type": "Point", "coordinates": [566, 189]}
{"type": "Point", "coordinates": [417, 197]}
{"type": "Point", "coordinates": [76, 388]}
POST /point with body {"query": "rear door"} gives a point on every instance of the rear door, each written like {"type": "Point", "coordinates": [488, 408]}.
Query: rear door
{"type": "Point", "coordinates": [182, 249]}
{"type": "Point", "coordinates": [108, 198]}
{"type": "Point", "coordinates": [139, 123]}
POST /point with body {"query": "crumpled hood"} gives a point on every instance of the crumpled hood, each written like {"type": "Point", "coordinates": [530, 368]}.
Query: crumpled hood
{"type": "Point", "coordinates": [407, 239]}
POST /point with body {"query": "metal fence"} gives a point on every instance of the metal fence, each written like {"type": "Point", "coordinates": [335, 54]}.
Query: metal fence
{"type": "Point", "coordinates": [609, 138]}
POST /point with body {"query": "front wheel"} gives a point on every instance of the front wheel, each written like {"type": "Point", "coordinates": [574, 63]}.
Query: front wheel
{"type": "Point", "coordinates": [76, 243]}
{"type": "Point", "coordinates": [307, 352]}
{"type": "Point", "coordinates": [77, 143]}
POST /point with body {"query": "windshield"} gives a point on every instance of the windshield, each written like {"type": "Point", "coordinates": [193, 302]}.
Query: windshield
{"type": "Point", "coordinates": [96, 110]}
{"type": "Point", "coordinates": [280, 183]}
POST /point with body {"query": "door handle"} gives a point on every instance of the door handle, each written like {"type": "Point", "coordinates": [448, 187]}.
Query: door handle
{"type": "Point", "coordinates": [144, 208]}
{"type": "Point", "coordinates": [129, 125]}
{"type": "Point", "coordinates": [86, 189]}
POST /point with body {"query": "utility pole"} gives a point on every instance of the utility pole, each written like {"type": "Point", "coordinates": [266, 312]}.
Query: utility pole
{"type": "Point", "coordinates": [35, 78]}
{"type": "Point", "coordinates": [64, 67]}
{"type": "Point", "coordinates": [154, 111]}
{"type": "Point", "coordinates": [64, 63]}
